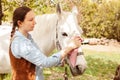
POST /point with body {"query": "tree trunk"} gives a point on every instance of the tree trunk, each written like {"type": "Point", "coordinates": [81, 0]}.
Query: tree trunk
{"type": "Point", "coordinates": [1, 14]}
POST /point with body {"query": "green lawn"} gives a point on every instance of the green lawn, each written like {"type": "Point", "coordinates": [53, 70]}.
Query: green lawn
{"type": "Point", "coordinates": [101, 66]}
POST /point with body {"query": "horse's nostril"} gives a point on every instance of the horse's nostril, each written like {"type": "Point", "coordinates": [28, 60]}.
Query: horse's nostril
{"type": "Point", "coordinates": [80, 69]}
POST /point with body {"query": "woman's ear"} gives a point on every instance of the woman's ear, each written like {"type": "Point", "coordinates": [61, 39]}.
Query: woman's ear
{"type": "Point", "coordinates": [19, 23]}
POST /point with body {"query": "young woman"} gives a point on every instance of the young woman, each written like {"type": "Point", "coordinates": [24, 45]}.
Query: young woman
{"type": "Point", "coordinates": [27, 60]}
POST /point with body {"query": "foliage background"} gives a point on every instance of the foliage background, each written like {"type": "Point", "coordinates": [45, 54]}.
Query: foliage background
{"type": "Point", "coordinates": [98, 18]}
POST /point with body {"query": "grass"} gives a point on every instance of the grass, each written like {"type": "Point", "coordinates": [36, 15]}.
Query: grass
{"type": "Point", "coordinates": [101, 66]}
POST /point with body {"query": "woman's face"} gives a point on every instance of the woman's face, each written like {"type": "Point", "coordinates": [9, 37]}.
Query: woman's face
{"type": "Point", "coordinates": [28, 23]}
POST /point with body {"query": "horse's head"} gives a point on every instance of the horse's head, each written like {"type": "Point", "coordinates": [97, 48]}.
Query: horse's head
{"type": "Point", "coordinates": [67, 27]}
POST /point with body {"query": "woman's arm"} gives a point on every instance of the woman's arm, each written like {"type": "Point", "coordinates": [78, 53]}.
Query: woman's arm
{"type": "Point", "coordinates": [27, 50]}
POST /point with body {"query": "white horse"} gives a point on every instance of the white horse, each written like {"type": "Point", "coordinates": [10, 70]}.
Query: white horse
{"type": "Point", "coordinates": [51, 31]}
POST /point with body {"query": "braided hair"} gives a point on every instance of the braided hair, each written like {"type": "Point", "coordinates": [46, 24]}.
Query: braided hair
{"type": "Point", "coordinates": [18, 14]}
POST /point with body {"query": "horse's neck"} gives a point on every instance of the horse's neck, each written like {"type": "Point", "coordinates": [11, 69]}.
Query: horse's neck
{"type": "Point", "coordinates": [44, 32]}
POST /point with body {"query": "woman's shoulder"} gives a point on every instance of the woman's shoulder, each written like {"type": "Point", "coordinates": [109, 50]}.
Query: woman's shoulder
{"type": "Point", "coordinates": [18, 39]}
{"type": "Point", "coordinates": [20, 45]}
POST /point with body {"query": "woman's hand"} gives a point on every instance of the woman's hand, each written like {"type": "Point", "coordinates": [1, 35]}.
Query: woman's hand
{"type": "Point", "coordinates": [74, 43]}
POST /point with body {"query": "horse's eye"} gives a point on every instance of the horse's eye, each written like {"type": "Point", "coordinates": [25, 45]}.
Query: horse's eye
{"type": "Point", "coordinates": [64, 34]}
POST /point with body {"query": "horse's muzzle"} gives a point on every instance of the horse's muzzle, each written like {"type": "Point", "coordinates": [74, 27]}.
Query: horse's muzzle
{"type": "Point", "coordinates": [80, 66]}
{"type": "Point", "coordinates": [77, 70]}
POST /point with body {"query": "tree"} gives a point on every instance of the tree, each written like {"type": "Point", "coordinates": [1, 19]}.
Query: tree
{"type": "Point", "coordinates": [1, 14]}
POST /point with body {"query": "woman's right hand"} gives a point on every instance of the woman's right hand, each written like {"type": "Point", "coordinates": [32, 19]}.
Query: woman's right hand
{"type": "Point", "coordinates": [74, 43]}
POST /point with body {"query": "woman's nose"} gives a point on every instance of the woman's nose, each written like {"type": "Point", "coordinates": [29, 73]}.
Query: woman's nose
{"type": "Point", "coordinates": [34, 22]}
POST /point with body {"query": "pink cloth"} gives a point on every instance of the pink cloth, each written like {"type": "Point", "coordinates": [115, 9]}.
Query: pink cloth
{"type": "Point", "coordinates": [73, 56]}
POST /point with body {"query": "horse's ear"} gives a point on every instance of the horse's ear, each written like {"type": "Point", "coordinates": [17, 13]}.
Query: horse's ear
{"type": "Point", "coordinates": [58, 9]}
{"type": "Point", "coordinates": [75, 10]}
